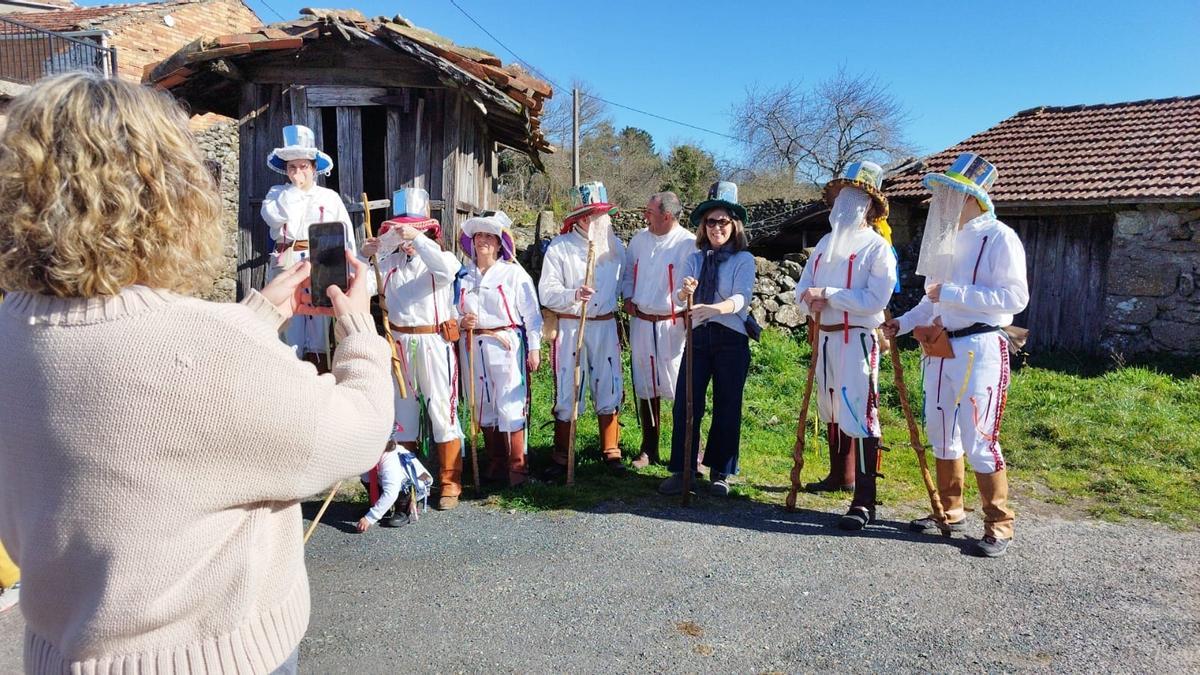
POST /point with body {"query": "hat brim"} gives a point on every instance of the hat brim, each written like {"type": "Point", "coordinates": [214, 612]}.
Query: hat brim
{"type": "Point", "coordinates": [473, 226]}
{"type": "Point", "coordinates": [584, 211]}
{"type": "Point", "coordinates": [879, 202]}
{"type": "Point", "coordinates": [279, 158]}
{"type": "Point", "coordinates": [422, 224]}
{"type": "Point", "coordinates": [985, 201]}
{"type": "Point", "coordinates": [697, 214]}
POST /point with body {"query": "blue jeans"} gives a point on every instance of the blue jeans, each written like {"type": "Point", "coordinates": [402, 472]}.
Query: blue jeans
{"type": "Point", "coordinates": [721, 355]}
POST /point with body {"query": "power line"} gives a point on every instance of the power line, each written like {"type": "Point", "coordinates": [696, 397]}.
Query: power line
{"type": "Point", "coordinates": [281, 17]}
{"type": "Point", "coordinates": [598, 98]}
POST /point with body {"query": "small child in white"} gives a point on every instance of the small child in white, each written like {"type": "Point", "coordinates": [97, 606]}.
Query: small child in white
{"type": "Point", "coordinates": [399, 472]}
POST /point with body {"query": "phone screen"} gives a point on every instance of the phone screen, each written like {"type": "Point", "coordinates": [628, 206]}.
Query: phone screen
{"type": "Point", "coordinates": [327, 243]}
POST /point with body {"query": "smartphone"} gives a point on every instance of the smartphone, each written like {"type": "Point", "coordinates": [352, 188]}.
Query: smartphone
{"type": "Point", "coordinates": [327, 253]}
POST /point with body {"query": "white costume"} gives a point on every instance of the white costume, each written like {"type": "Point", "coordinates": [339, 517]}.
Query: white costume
{"type": "Point", "coordinates": [289, 211]}
{"type": "Point", "coordinates": [563, 272]}
{"type": "Point", "coordinates": [503, 300]}
{"type": "Point", "coordinates": [419, 292]}
{"type": "Point", "coordinates": [859, 284]}
{"type": "Point", "coordinates": [651, 278]}
{"type": "Point", "coordinates": [398, 470]}
{"type": "Point", "coordinates": [965, 395]}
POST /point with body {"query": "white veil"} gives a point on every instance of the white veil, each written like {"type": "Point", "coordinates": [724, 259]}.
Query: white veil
{"type": "Point", "coordinates": [941, 229]}
{"type": "Point", "coordinates": [846, 218]}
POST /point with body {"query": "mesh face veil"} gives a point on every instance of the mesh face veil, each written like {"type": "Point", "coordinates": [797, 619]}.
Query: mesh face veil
{"type": "Point", "coordinates": [941, 229]}
{"type": "Point", "coordinates": [847, 218]}
{"type": "Point", "coordinates": [601, 232]}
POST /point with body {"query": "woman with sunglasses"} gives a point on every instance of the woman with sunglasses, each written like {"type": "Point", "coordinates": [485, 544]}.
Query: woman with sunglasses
{"type": "Point", "coordinates": [720, 279]}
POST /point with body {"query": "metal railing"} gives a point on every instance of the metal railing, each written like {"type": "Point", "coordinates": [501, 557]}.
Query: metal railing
{"type": "Point", "coordinates": [29, 53]}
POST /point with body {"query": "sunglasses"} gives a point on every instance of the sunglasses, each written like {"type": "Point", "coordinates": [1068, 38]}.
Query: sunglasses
{"type": "Point", "coordinates": [717, 223]}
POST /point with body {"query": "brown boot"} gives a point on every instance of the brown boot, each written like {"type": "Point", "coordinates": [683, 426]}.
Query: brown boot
{"type": "Point", "coordinates": [517, 473]}
{"type": "Point", "coordinates": [651, 425]}
{"type": "Point", "coordinates": [450, 466]}
{"type": "Point", "coordinates": [497, 455]}
{"type": "Point", "coordinates": [841, 464]}
{"type": "Point", "coordinates": [951, 476]}
{"type": "Point", "coordinates": [558, 458]}
{"type": "Point", "coordinates": [610, 435]}
{"type": "Point", "coordinates": [993, 492]}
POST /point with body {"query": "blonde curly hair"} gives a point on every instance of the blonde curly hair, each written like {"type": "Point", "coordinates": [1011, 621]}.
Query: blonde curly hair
{"type": "Point", "coordinates": [101, 187]}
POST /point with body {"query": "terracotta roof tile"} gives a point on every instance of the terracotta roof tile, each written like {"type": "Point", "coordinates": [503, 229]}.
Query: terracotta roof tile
{"type": "Point", "coordinates": [1120, 151]}
{"type": "Point", "coordinates": [88, 17]}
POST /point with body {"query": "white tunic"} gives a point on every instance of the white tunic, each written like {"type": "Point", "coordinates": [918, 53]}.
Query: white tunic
{"type": "Point", "coordinates": [418, 290]}
{"type": "Point", "coordinates": [651, 277]}
{"type": "Point", "coordinates": [858, 288]}
{"type": "Point", "coordinates": [965, 396]}
{"type": "Point", "coordinates": [502, 298]}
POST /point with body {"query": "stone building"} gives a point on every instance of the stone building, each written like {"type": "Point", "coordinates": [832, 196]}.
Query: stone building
{"type": "Point", "coordinates": [1106, 199]}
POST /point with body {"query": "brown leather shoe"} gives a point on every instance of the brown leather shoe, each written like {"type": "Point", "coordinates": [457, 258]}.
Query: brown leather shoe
{"type": "Point", "coordinates": [447, 502]}
{"type": "Point", "coordinates": [651, 429]}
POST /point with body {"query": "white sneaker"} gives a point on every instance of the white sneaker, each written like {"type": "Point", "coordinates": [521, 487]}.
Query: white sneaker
{"type": "Point", "coordinates": [9, 597]}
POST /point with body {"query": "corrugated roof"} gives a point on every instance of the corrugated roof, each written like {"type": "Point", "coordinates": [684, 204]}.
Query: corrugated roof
{"type": "Point", "coordinates": [1119, 152]}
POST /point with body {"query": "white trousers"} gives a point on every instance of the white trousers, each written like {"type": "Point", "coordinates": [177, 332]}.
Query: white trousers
{"type": "Point", "coordinates": [600, 367]}
{"type": "Point", "coordinates": [964, 400]}
{"type": "Point", "coordinates": [305, 334]}
{"type": "Point", "coordinates": [656, 350]}
{"type": "Point", "coordinates": [500, 383]}
{"type": "Point", "coordinates": [847, 381]}
{"type": "Point", "coordinates": [431, 378]}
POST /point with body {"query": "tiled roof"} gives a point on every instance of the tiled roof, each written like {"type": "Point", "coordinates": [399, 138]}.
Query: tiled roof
{"type": "Point", "coordinates": [1119, 152]}
{"type": "Point", "coordinates": [515, 99]}
{"type": "Point", "coordinates": [88, 17]}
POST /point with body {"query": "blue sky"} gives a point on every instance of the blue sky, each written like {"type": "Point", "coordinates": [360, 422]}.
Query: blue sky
{"type": "Point", "coordinates": [957, 67]}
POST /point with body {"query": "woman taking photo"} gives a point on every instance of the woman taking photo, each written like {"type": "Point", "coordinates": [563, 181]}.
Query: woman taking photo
{"type": "Point", "coordinates": [720, 279]}
{"type": "Point", "coordinates": [156, 446]}
{"type": "Point", "coordinates": [502, 330]}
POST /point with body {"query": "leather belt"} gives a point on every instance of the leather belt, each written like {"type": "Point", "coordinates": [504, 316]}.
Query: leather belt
{"type": "Point", "coordinates": [493, 331]}
{"type": "Point", "coordinates": [299, 245]}
{"type": "Point", "coordinates": [653, 318]}
{"type": "Point", "coordinates": [973, 329]}
{"type": "Point", "coordinates": [837, 327]}
{"type": "Point", "coordinates": [412, 330]}
{"type": "Point", "coordinates": [598, 317]}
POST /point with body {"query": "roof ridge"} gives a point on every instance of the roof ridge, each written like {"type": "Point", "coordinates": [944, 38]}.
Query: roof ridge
{"type": "Point", "coordinates": [1100, 106]}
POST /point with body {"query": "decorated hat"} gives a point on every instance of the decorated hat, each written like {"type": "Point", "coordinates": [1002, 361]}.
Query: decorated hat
{"type": "Point", "coordinates": [491, 222]}
{"type": "Point", "coordinates": [410, 206]}
{"type": "Point", "coordinates": [866, 176]}
{"type": "Point", "coordinates": [590, 198]}
{"type": "Point", "coordinates": [724, 194]}
{"type": "Point", "coordinates": [299, 143]}
{"type": "Point", "coordinates": [971, 174]}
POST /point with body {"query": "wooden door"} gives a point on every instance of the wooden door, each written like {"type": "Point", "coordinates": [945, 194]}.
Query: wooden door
{"type": "Point", "coordinates": [1066, 259]}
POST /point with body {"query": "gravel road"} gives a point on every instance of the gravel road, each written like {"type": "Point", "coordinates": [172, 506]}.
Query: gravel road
{"type": "Point", "coordinates": [737, 587]}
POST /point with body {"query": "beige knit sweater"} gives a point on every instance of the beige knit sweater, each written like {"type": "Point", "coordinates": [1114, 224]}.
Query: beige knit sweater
{"type": "Point", "coordinates": [152, 451]}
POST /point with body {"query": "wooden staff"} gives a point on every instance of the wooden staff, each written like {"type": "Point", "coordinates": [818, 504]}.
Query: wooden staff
{"type": "Point", "coordinates": [474, 410]}
{"type": "Point", "coordinates": [587, 281]}
{"type": "Point", "coordinates": [320, 512]}
{"type": "Point", "coordinates": [387, 326]}
{"type": "Point", "coordinates": [914, 436]}
{"type": "Point", "coordinates": [798, 448]}
{"type": "Point", "coordinates": [688, 432]}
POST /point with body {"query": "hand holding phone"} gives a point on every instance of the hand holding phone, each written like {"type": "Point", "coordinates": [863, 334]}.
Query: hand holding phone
{"type": "Point", "coordinates": [327, 246]}
{"type": "Point", "coordinates": [353, 301]}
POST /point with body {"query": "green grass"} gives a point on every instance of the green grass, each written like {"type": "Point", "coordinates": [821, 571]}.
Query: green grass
{"type": "Point", "coordinates": [1113, 441]}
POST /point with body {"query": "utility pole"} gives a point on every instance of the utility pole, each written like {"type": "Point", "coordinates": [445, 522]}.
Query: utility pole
{"type": "Point", "coordinates": [575, 136]}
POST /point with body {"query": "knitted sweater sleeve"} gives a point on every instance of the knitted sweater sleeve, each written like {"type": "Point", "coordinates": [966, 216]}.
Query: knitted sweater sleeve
{"type": "Point", "coordinates": [315, 429]}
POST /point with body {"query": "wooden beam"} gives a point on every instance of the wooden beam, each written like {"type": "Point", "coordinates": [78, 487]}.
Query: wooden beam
{"type": "Point", "coordinates": [420, 145]}
{"type": "Point", "coordinates": [393, 150]}
{"type": "Point", "coordinates": [350, 168]}
{"type": "Point", "coordinates": [377, 77]}
{"type": "Point", "coordinates": [326, 96]}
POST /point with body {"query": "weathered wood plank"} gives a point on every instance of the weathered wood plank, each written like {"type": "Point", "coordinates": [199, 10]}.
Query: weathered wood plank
{"type": "Point", "coordinates": [419, 144]}
{"type": "Point", "coordinates": [432, 131]}
{"type": "Point", "coordinates": [370, 77]}
{"type": "Point", "coordinates": [349, 145]}
{"type": "Point", "coordinates": [451, 139]}
{"type": "Point", "coordinates": [247, 167]}
{"type": "Point", "coordinates": [1055, 267]}
{"type": "Point", "coordinates": [394, 151]}
{"type": "Point", "coordinates": [326, 96]}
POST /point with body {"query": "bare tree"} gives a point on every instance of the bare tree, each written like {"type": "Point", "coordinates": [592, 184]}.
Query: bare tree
{"type": "Point", "coordinates": [815, 133]}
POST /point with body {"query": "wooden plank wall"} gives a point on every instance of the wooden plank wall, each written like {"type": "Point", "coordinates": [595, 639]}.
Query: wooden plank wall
{"type": "Point", "coordinates": [1066, 260]}
{"type": "Point", "coordinates": [436, 139]}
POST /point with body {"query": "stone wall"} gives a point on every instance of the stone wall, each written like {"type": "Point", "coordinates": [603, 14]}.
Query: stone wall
{"type": "Point", "coordinates": [1152, 301]}
{"type": "Point", "coordinates": [219, 143]}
